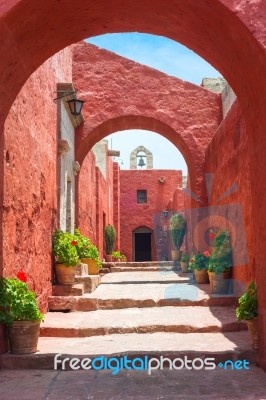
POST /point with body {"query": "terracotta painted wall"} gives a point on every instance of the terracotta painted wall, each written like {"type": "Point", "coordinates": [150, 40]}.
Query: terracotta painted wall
{"type": "Point", "coordinates": [133, 215]}
{"type": "Point", "coordinates": [96, 199]}
{"type": "Point", "coordinates": [227, 158]}
{"type": "Point", "coordinates": [30, 157]}
{"type": "Point", "coordinates": [87, 198]}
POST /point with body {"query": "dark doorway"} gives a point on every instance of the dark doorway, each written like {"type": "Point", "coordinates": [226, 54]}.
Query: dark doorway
{"type": "Point", "coordinates": [142, 246]}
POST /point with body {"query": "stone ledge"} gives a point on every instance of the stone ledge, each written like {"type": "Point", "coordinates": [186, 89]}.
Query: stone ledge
{"type": "Point", "coordinates": [90, 282]}
{"type": "Point", "coordinates": [82, 269]}
{"type": "Point", "coordinates": [68, 290]}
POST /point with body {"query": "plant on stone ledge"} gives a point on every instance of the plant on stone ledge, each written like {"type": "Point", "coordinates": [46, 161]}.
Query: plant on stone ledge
{"type": "Point", "coordinates": [199, 262]}
{"type": "Point", "coordinates": [178, 227]}
{"type": "Point", "coordinates": [221, 257]}
{"type": "Point", "coordinates": [83, 244]}
{"type": "Point", "coordinates": [248, 303]}
{"type": "Point", "coordinates": [117, 255]}
{"type": "Point", "coordinates": [17, 302]}
{"type": "Point", "coordinates": [64, 248]}
{"type": "Point", "coordinates": [109, 236]}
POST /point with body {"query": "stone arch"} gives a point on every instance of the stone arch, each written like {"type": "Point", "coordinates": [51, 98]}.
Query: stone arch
{"type": "Point", "coordinates": [135, 152]}
{"type": "Point", "coordinates": [33, 31]}
{"type": "Point", "coordinates": [163, 104]}
{"type": "Point", "coordinates": [127, 122]}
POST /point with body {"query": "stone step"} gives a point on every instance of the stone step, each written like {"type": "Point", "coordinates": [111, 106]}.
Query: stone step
{"type": "Point", "coordinates": [89, 282]}
{"type": "Point", "coordinates": [144, 264]}
{"type": "Point", "coordinates": [68, 290]}
{"type": "Point", "coordinates": [147, 320]}
{"type": "Point", "coordinates": [126, 268]}
{"type": "Point", "coordinates": [127, 295]}
{"type": "Point", "coordinates": [222, 347]}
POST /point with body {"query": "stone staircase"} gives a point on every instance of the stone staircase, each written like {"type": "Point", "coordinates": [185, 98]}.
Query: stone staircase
{"type": "Point", "coordinates": [138, 313]}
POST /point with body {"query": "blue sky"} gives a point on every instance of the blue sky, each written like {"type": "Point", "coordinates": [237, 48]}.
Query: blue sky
{"type": "Point", "coordinates": [169, 57]}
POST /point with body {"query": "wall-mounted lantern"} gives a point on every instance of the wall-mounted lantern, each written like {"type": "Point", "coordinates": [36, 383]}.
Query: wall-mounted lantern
{"type": "Point", "coordinates": [75, 105]}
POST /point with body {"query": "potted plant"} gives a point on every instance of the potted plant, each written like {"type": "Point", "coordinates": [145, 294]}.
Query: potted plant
{"type": "Point", "coordinates": [116, 256]}
{"type": "Point", "coordinates": [199, 265]}
{"type": "Point", "coordinates": [220, 263]}
{"type": "Point", "coordinates": [20, 313]}
{"type": "Point", "coordinates": [184, 261]}
{"type": "Point", "coordinates": [178, 227]}
{"type": "Point", "coordinates": [248, 311]}
{"type": "Point", "coordinates": [66, 256]}
{"type": "Point", "coordinates": [88, 253]}
{"type": "Point", "coordinates": [109, 236]}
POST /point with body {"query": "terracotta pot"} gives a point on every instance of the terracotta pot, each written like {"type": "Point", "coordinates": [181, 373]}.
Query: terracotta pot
{"type": "Point", "coordinates": [219, 282]}
{"type": "Point", "coordinates": [201, 276]}
{"type": "Point", "coordinates": [253, 332]}
{"type": "Point", "coordinates": [65, 275]}
{"type": "Point", "coordinates": [23, 337]}
{"type": "Point", "coordinates": [108, 258]}
{"type": "Point", "coordinates": [92, 266]}
{"type": "Point", "coordinates": [184, 266]}
{"type": "Point", "coordinates": [176, 255]}
{"type": "Point", "coordinates": [3, 339]}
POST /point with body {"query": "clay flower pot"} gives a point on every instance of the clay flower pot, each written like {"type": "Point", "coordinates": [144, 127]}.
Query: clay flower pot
{"type": "Point", "coordinates": [219, 282]}
{"type": "Point", "coordinates": [92, 266]}
{"type": "Point", "coordinates": [108, 258]}
{"type": "Point", "coordinates": [176, 255]}
{"type": "Point", "coordinates": [184, 266]}
{"type": "Point", "coordinates": [65, 275]}
{"type": "Point", "coordinates": [201, 276]}
{"type": "Point", "coordinates": [253, 332]}
{"type": "Point", "coordinates": [23, 337]}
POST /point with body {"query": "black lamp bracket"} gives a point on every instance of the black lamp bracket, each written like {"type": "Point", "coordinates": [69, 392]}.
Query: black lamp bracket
{"type": "Point", "coordinates": [66, 93]}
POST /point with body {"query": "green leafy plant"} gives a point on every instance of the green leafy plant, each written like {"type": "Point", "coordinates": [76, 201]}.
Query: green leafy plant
{"type": "Point", "coordinates": [248, 303]}
{"type": "Point", "coordinates": [198, 261]}
{"type": "Point", "coordinates": [17, 302]}
{"type": "Point", "coordinates": [178, 227]}
{"type": "Point", "coordinates": [221, 257]}
{"type": "Point", "coordinates": [116, 255]}
{"type": "Point", "coordinates": [64, 248]}
{"type": "Point", "coordinates": [185, 257]}
{"type": "Point", "coordinates": [83, 244]}
{"type": "Point", "coordinates": [109, 236]}
{"type": "Point", "coordinates": [86, 249]}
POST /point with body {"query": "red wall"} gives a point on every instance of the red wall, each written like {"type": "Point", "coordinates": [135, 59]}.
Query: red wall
{"type": "Point", "coordinates": [87, 197]}
{"type": "Point", "coordinates": [97, 199]}
{"type": "Point", "coordinates": [227, 158]}
{"type": "Point", "coordinates": [133, 215]}
{"type": "Point", "coordinates": [30, 161]}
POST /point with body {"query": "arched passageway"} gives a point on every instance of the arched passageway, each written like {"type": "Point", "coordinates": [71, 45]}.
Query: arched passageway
{"type": "Point", "coordinates": [230, 35]}
{"type": "Point", "coordinates": [126, 95]}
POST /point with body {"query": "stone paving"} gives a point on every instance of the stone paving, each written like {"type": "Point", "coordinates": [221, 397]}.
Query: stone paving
{"type": "Point", "coordinates": [133, 320]}
{"type": "Point", "coordinates": [142, 289]}
{"type": "Point", "coordinates": [134, 385]}
{"type": "Point", "coordinates": [183, 326]}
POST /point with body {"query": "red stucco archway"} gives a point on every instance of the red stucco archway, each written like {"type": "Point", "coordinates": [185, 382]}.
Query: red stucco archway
{"type": "Point", "coordinates": [230, 35]}
{"type": "Point", "coordinates": [122, 95]}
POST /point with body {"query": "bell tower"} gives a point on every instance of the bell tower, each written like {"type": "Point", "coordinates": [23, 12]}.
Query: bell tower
{"type": "Point", "coordinates": [141, 158]}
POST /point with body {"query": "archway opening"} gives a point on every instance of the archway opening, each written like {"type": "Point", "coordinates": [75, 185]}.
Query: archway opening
{"type": "Point", "coordinates": [142, 244]}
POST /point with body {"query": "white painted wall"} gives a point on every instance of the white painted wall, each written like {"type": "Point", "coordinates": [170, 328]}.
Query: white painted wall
{"type": "Point", "coordinates": [67, 172]}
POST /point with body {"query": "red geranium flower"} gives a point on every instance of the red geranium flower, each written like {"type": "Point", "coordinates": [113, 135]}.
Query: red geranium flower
{"type": "Point", "coordinates": [211, 235]}
{"type": "Point", "coordinates": [206, 253]}
{"type": "Point", "coordinates": [74, 243]}
{"type": "Point", "coordinates": [22, 276]}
